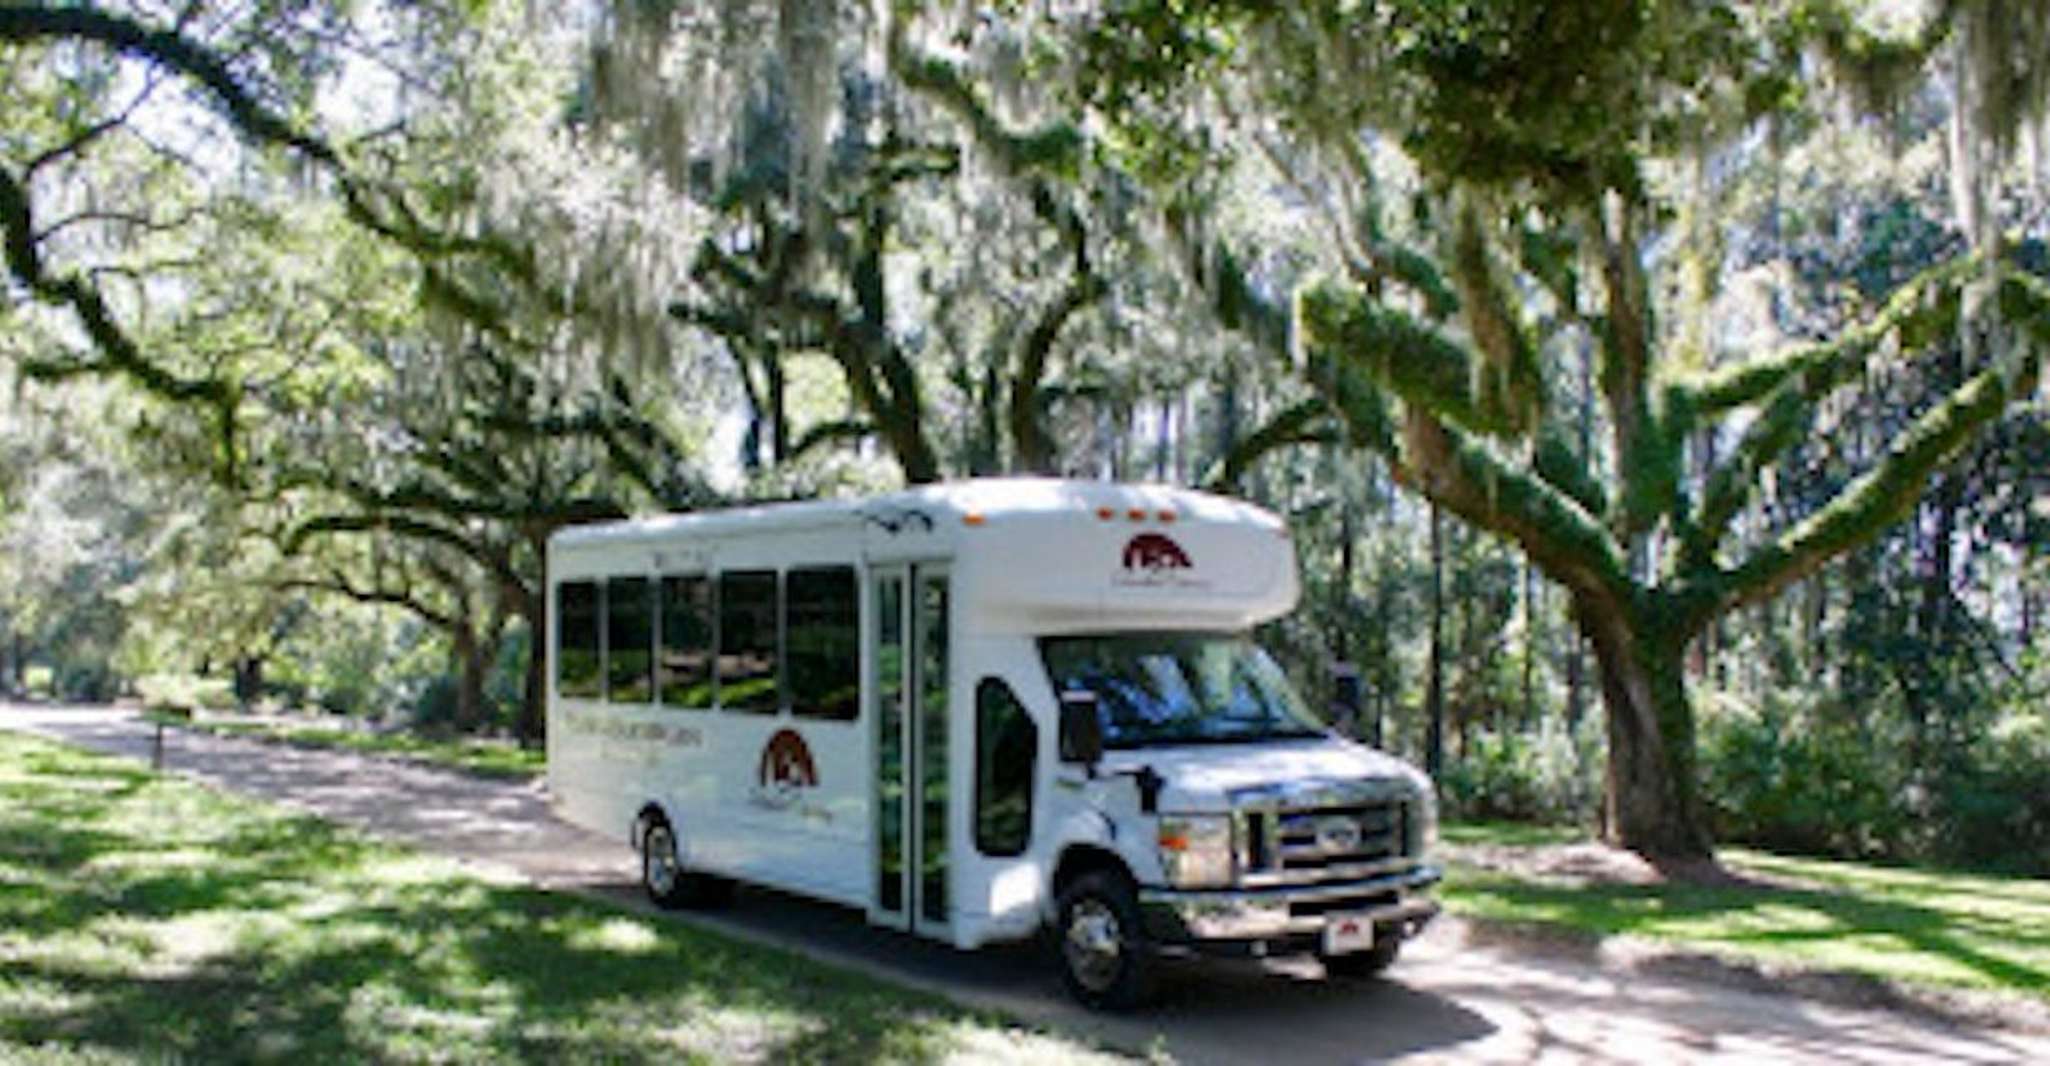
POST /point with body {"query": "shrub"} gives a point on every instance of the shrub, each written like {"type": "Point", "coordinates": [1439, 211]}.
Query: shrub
{"type": "Point", "coordinates": [1551, 776]}
{"type": "Point", "coordinates": [1822, 780]}
{"type": "Point", "coordinates": [435, 707]}
{"type": "Point", "coordinates": [1795, 787]}
{"type": "Point", "coordinates": [1994, 809]}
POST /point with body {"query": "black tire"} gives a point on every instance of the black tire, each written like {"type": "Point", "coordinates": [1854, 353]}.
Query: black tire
{"type": "Point", "coordinates": [668, 884]}
{"type": "Point", "coordinates": [1105, 958]}
{"type": "Point", "coordinates": [1373, 962]}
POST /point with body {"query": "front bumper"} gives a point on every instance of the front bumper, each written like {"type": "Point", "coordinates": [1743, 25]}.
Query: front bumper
{"type": "Point", "coordinates": [1278, 916]}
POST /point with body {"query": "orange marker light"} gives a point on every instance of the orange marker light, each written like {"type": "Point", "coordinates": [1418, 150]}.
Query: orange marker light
{"type": "Point", "coordinates": [1136, 514]}
{"type": "Point", "coordinates": [1104, 513]}
{"type": "Point", "coordinates": [1166, 516]}
{"type": "Point", "coordinates": [973, 518]}
{"type": "Point", "coordinates": [1174, 841]}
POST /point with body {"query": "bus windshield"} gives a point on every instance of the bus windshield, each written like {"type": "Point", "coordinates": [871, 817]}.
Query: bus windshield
{"type": "Point", "coordinates": [1179, 688]}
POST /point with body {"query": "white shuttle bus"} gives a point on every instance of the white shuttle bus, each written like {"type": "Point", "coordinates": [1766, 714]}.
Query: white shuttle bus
{"type": "Point", "coordinates": [979, 710]}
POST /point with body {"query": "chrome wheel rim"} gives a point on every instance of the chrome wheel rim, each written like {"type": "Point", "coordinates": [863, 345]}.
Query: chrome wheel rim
{"type": "Point", "coordinates": [1094, 948]}
{"type": "Point", "coordinates": [658, 863]}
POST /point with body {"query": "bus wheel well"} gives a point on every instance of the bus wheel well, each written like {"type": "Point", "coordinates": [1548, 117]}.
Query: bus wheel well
{"type": "Point", "coordinates": [1085, 858]}
{"type": "Point", "coordinates": [651, 813]}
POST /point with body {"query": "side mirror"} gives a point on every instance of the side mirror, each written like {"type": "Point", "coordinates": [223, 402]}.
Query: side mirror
{"type": "Point", "coordinates": [1081, 729]}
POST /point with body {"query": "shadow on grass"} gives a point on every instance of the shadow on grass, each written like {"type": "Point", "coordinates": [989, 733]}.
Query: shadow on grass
{"type": "Point", "coordinates": [1879, 934]}
{"type": "Point", "coordinates": [146, 914]}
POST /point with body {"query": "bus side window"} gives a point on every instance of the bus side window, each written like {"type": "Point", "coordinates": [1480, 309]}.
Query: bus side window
{"type": "Point", "coordinates": [629, 641]}
{"type": "Point", "coordinates": [822, 642]}
{"type": "Point", "coordinates": [748, 651]}
{"type": "Point", "coordinates": [686, 656]}
{"type": "Point", "coordinates": [1006, 749]}
{"type": "Point", "coordinates": [577, 655]}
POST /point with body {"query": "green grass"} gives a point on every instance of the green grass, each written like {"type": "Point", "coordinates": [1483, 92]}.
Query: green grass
{"type": "Point", "coordinates": [1911, 925]}
{"type": "Point", "coordinates": [470, 755]}
{"type": "Point", "coordinates": [145, 918]}
{"type": "Point", "coordinates": [1509, 834]}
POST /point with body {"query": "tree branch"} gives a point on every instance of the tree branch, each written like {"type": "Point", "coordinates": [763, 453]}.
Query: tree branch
{"type": "Point", "coordinates": [1921, 315]}
{"type": "Point", "coordinates": [337, 584]}
{"type": "Point", "coordinates": [120, 354]}
{"type": "Point", "coordinates": [1888, 491]}
{"type": "Point", "coordinates": [1408, 358]}
{"type": "Point", "coordinates": [1468, 477]}
{"type": "Point", "coordinates": [1307, 422]}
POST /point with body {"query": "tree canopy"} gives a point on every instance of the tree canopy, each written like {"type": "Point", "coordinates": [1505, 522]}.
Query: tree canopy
{"type": "Point", "coordinates": [1675, 304]}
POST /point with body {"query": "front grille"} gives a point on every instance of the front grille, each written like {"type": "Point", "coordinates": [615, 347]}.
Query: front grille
{"type": "Point", "coordinates": [1304, 843]}
{"type": "Point", "coordinates": [1340, 836]}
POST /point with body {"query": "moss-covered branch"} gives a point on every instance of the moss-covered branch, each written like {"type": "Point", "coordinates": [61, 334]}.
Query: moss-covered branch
{"type": "Point", "coordinates": [1307, 422]}
{"type": "Point", "coordinates": [1917, 312]}
{"type": "Point", "coordinates": [1888, 491]}
{"type": "Point", "coordinates": [1920, 316]}
{"type": "Point", "coordinates": [1421, 365]}
{"type": "Point", "coordinates": [1056, 148]}
{"type": "Point", "coordinates": [1467, 476]}
{"type": "Point", "coordinates": [1508, 382]}
{"type": "Point", "coordinates": [1646, 446]}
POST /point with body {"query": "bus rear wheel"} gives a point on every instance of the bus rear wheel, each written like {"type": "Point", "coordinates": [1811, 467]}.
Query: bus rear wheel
{"type": "Point", "coordinates": [668, 884]}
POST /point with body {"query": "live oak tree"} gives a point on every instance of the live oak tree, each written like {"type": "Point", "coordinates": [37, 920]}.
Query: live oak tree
{"type": "Point", "coordinates": [961, 258]}
{"type": "Point", "coordinates": [1539, 137]}
{"type": "Point", "coordinates": [145, 142]}
{"type": "Point", "coordinates": [376, 332]}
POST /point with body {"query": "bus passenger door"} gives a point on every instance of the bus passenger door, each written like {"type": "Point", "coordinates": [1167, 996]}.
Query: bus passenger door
{"type": "Point", "coordinates": [908, 658]}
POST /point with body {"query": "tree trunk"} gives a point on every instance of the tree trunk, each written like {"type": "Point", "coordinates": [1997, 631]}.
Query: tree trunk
{"type": "Point", "coordinates": [1576, 688]}
{"type": "Point", "coordinates": [248, 680]}
{"type": "Point", "coordinates": [1530, 647]}
{"type": "Point", "coordinates": [1434, 693]}
{"type": "Point", "coordinates": [779, 413]}
{"type": "Point", "coordinates": [1653, 805]}
{"type": "Point", "coordinates": [470, 668]}
{"type": "Point", "coordinates": [532, 725]}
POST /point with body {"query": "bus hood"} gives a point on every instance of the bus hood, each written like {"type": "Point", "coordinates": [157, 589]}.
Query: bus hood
{"type": "Point", "coordinates": [1321, 771]}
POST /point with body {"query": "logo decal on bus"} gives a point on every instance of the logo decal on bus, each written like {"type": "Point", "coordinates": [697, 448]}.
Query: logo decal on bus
{"type": "Point", "coordinates": [785, 770]}
{"type": "Point", "coordinates": [1154, 560]}
{"type": "Point", "coordinates": [1154, 552]}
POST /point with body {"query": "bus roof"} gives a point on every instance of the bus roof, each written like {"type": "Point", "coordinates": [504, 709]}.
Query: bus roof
{"type": "Point", "coordinates": [1037, 555]}
{"type": "Point", "coordinates": [949, 503]}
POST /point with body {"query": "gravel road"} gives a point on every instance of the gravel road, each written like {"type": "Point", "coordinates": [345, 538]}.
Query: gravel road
{"type": "Point", "coordinates": [1449, 1000]}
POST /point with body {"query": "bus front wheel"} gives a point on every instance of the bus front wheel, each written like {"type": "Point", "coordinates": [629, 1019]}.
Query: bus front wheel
{"type": "Point", "coordinates": [1105, 958]}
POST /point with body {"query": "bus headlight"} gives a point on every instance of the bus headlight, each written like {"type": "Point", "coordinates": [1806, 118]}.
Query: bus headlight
{"type": "Point", "coordinates": [1196, 850]}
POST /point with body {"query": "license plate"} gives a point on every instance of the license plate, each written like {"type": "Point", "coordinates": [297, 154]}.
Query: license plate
{"type": "Point", "coordinates": [1345, 933]}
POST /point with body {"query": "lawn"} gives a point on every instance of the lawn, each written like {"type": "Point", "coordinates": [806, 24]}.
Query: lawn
{"type": "Point", "coordinates": [1913, 925]}
{"type": "Point", "coordinates": [482, 757]}
{"type": "Point", "coordinates": [145, 918]}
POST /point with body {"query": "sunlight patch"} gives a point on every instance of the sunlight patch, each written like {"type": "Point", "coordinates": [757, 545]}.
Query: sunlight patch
{"type": "Point", "coordinates": [966, 1043]}
{"type": "Point", "coordinates": [624, 936]}
{"type": "Point", "coordinates": [190, 940]}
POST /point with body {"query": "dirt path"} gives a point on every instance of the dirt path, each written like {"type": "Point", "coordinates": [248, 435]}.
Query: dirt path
{"type": "Point", "coordinates": [1450, 1000]}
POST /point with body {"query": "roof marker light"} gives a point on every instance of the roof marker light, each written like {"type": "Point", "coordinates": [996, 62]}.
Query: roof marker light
{"type": "Point", "coordinates": [1166, 516]}
{"type": "Point", "coordinates": [973, 518]}
{"type": "Point", "coordinates": [1104, 513]}
{"type": "Point", "coordinates": [1136, 514]}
